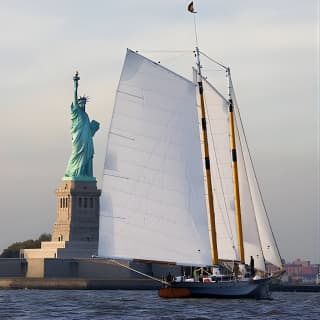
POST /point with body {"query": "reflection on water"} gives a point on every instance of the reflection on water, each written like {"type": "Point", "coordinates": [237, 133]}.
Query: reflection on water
{"type": "Point", "coordinates": [76, 304]}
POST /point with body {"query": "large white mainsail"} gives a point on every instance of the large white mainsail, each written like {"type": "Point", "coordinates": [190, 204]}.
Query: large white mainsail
{"type": "Point", "coordinates": [267, 241]}
{"type": "Point", "coordinates": [153, 198]}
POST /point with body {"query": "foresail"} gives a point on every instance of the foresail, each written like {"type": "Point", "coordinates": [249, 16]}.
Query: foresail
{"type": "Point", "coordinates": [216, 107]}
{"type": "Point", "coordinates": [266, 237]}
{"type": "Point", "coordinates": [153, 198]}
{"type": "Point", "coordinates": [222, 180]}
{"type": "Point", "coordinates": [252, 243]}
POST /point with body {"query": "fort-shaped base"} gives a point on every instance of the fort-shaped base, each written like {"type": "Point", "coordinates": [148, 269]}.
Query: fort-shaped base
{"type": "Point", "coordinates": [76, 230]}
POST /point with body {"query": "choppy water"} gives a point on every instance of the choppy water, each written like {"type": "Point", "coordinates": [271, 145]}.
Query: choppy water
{"type": "Point", "coordinates": [77, 304]}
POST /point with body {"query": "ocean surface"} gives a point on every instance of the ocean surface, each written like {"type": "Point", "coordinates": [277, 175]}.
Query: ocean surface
{"type": "Point", "coordinates": [81, 304]}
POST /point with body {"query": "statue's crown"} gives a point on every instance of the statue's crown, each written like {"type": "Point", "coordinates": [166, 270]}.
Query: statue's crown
{"type": "Point", "coordinates": [83, 98]}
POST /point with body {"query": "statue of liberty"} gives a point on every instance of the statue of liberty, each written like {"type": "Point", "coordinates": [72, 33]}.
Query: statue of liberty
{"type": "Point", "coordinates": [82, 132]}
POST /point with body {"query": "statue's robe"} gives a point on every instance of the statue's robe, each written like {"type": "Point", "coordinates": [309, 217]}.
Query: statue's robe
{"type": "Point", "coordinates": [82, 131]}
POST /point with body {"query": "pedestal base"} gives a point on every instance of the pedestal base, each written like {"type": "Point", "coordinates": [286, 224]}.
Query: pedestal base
{"type": "Point", "coordinates": [76, 231]}
{"type": "Point", "coordinates": [78, 211]}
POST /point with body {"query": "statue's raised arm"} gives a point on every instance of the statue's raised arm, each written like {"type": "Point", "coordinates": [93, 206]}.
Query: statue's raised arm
{"type": "Point", "coordinates": [76, 78]}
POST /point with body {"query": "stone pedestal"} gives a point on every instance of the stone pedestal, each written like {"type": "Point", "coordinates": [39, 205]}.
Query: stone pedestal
{"type": "Point", "coordinates": [76, 230]}
{"type": "Point", "coordinates": [77, 212]}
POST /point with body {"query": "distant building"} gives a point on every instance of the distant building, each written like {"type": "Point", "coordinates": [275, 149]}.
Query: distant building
{"type": "Point", "coordinates": [301, 271]}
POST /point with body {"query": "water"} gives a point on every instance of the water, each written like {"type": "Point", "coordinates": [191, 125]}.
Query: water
{"type": "Point", "coordinates": [132, 305]}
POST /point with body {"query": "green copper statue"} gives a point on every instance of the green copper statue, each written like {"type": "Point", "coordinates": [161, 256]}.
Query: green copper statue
{"type": "Point", "coordinates": [82, 131]}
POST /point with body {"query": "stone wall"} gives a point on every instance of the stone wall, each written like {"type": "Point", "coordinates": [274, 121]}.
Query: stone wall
{"type": "Point", "coordinates": [13, 267]}
{"type": "Point", "coordinates": [35, 268]}
{"type": "Point", "coordinates": [83, 268]}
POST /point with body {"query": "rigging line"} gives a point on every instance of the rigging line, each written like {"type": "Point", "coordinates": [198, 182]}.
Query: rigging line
{"type": "Point", "coordinates": [129, 94]}
{"type": "Point", "coordinates": [143, 274]}
{"type": "Point", "coordinates": [212, 70]}
{"type": "Point", "coordinates": [214, 61]}
{"type": "Point", "coordinates": [195, 28]}
{"type": "Point", "coordinates": [122, 136]}
{"type": "Point", "coordinates": [113, 175]}
{"type": "Point", "coordinates": [220, 178]}
{"type": "Point", "coordinates": [255, 175]}
{"type": "Point", "coordinates": [175, 57]}
{"type": "Point", "coordinates": [112, 217]}
{"type": "Point", "coordinates": [185, 51]}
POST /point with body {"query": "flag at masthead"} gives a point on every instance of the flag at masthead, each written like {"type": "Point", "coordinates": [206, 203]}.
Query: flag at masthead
{"type": "Point", "coordinates": [191, 7]}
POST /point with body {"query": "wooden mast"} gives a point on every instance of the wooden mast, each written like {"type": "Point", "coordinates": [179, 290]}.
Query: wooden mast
{"type": "Point", "coordinates": [235, 172]}
{"type": "Point", "coordinates": [234, 159]}
{"type": "Point", "coordinates": [212, 222]}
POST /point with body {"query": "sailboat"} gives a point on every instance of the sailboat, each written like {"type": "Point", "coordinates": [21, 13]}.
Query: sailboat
{"type": "Point", "coordinates": [179, 185]}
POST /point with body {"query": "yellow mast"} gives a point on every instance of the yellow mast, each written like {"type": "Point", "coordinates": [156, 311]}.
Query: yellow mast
{"type": "Point", "coordinates": [235, 173]}
{"type": "Point", "coordinates": [234, 161]}
{"type": "Point", "coordinates": [212, 222]}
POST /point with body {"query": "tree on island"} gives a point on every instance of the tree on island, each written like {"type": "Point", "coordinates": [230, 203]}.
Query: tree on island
{"type": "Point", "coordinates": [13, 251]}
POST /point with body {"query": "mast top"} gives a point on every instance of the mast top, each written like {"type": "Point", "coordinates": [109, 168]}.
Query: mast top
{"type": "Point", "coordinates": [197, 52]}
{"type": "Point", "coordinates": [192, 10]}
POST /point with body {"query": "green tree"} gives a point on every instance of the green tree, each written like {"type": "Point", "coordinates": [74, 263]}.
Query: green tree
{"type": "Point", "coordinates": [13, 250]}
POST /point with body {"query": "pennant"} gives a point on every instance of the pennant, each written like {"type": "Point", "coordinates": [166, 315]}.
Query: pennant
{"type": "Point", "coordinates": [190, 7]}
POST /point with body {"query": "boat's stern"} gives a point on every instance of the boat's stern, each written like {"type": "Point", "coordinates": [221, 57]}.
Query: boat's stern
{"type": "Point", "coordinates": [262, 288]}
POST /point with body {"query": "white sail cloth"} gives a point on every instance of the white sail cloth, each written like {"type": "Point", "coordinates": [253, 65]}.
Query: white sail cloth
{"type": "Point", "coordinates": [267, 241]}
{"type": "Point", "coordinates": [216, 107]}
{"type": "Point", "coordinates": [251, 238]}
{"type": "Point", "coordinates": [258, 238]}
{"type": "Point", "coordinates": [153, 199]}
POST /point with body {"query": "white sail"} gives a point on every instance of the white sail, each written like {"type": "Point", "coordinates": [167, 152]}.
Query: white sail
{"type": "Point", "coordinates": [266, 238]}
{"type": "Point", "coordinates": [153, 198]}
{"type": "Point", "coordinates": [251, 238]}
{"type": "Point", "coordinates": [253, 216]}
{"type": "Point", "coordinates": [221, 173]}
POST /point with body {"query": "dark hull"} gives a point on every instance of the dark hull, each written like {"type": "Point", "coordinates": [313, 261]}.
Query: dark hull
{"type": "Point", "coordinates": [249, 288]}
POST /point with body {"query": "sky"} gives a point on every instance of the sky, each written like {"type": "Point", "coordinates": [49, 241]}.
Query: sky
{"type": "Point", "coordinates": [271, 46]}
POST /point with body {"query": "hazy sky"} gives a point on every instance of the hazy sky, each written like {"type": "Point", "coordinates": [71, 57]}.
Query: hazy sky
{"type": "Point", "coordinates": [273, 50]}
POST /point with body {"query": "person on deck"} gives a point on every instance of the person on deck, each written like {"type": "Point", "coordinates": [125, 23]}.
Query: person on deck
{"type": "Point", "coordinates": [169, 277]}
{"type": "Point", "coordinates": [236, 270]}
{"type": "Point", "coordinates": [252, 267]}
